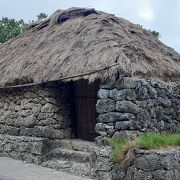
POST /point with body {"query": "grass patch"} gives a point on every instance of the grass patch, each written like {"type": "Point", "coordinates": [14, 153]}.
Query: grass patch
{"type": "Point", "coordinates": [118, 146]}
{"type": "Point", "coordinates": [148, 141]}
{"type": "Point", "coordinates": [158, 141]}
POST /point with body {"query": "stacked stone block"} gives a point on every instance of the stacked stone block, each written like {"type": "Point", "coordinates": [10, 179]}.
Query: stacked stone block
{"type": "Point", "coordinates": [29, 149]}
{"type": "Point", "coordinates": [130, 107]}
{"type": "Point", "coordinates": [39, 111]}
{"type": "Point", "coordinates": [145, 164]}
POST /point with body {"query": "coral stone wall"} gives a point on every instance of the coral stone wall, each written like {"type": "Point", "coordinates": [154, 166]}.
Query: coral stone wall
{"type": "Point", "coordinates": [39, 111]}
{"type": "Point", "coordinates": [155, 164]}
{"type": "Point", "coordinates": [29, 149]}
{"type": "Point", "coordinates": [144, 165]}
{"type": "Point", "coordinates": [130, 107]}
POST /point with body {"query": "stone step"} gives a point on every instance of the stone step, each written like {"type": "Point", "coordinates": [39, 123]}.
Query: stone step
{"type": "Point", "coordinates": [68, 154]}
{"type": "Point", "coordinates": [76, 144]}
{"type": "Point", "coordinates": [71, 167]}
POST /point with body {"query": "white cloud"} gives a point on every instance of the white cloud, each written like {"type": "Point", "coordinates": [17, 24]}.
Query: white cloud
{"type": "Point", "coordinates": [145, 13]}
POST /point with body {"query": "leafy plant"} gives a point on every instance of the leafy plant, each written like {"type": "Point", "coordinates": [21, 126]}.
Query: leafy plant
{"type": "Point", "coordinates": [10, 28]}
{"type": "Point", "coordinates": [42, 16]}
{"type": "Point", "coordinates": [155, 34]}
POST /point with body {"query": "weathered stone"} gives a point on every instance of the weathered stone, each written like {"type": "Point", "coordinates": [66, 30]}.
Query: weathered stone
{"type": "Point", "coordinates": [107, 117]}
{"type": "Point", "coordinates": [2, 120]}
{"type": "Point", "coordinates": [26, 131]}
{"type": "Point", "coordinates": [125, 125]}
{"type": "Point", "coordinates": [50, 132]}
{"type": "Point", "coordinates": [142, 93]}
{"type": "Point", "coordinates": [46, 131]}
{"type": "Point", "coordinates": [131, 94]}
{"type": "Point", "coordinates": [24, 113]}
{"type": "Point", "coordinates": [48, 121]}
{"type": "Point", "coordinates": [152, 91]}
{"type": "Point", "coordinates": [125, 116]}
{"type": "Point", "coordinates": [1, 112]}
{"type": "Point", "coordinates": [29, 121]}
{"type": "Point", "coordinates": [6, 106]}
{"type": "Point", "coordinates": [164, 102]}
{"type": "Point", "coordinates": [161, 92]}
{"type": "Point", "coordinates": [149, 162]}
{"type": "Point", "coordinates": [127, 107]}
{"type": "Point", "coordinates": [45, 115]}
{"type": "Point", "coordinates": [23, 147]}
{"type": "Point", "coordinates": [105, 105]}
{"type": "Point", "coordinates": [124, 94]}
{"type": "Point", "coordinates": [36, 109]}
{"type": "Point", "coordinates": [8, 147]}
{"type": "Point", "coordinates": [9, 130]}
{"type": "Point", "coordinates": [136, 174]}
{"type": "Point", "coordinates": [100, 127]}
{"type": "Point", "coordinates": [49, 108]}
{"type": "Point", "coordinates": [110, 129]}
{"type": "Point", "coordinates": [126, 134]}
{"type": "Point", "coordinates": [18, 107]}
{"type": "Point", "coordinates": [28, 94]}
{"type": "Point", "coordinates": [37, 148]}
{"type": "Point", "coordinates": [143, 120]}
{"type": "Point", "coordinates": [1, 105]}
{"type": "Point", "coordinates": [117, 94]}
{"type": "Point", "coordinates": [9, 122]}
{"type": "Point", "coordinates": [51, 100]}
{"type": "Point", "coordinates": [7, 114]}
{"type": "Point", "coordinates": [103, 94]}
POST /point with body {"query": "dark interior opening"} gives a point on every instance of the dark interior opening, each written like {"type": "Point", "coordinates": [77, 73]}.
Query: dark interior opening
{"type": "Point", "coordinates": [84, 109]}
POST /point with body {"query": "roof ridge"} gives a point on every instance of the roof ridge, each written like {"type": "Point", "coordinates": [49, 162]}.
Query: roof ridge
{"type": "Point", "coordinates": [60, 16]}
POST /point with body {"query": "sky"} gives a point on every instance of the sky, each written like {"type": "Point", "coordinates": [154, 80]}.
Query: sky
{"type": "Point", "coordinates": [159, 15]}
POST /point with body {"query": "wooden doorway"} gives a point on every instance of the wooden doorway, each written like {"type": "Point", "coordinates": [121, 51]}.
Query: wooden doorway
{"type": "Point", "coordinates": [85, 99]}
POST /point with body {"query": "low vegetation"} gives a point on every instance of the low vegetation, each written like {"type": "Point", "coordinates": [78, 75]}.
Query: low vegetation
{"type": "Point", "coordinates": [147, 142]}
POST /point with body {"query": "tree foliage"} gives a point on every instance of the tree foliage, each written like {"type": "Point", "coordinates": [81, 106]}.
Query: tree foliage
{"type": "Point", "coordinates": [42, 16]}
{"type": "Point", "coordinates": [10, 28]}
{"type": "Point", "coordinates": [156, 34]}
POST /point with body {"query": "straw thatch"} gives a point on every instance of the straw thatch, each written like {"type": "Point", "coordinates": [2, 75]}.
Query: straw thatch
{"type": "Point", "coordinates": [78, 41]}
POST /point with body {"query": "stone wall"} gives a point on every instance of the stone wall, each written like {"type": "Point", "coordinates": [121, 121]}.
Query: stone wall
{"type": "Point", "coordinates": [39, 111]}
{"type": "Point", "coordinates": [130, 107]}
{"type": "Point", "coordinates": [145, 164]}
{"type": "Point", "coordinates": [155, 164]}
{"type": "Point", "coordinates": [28, 149]}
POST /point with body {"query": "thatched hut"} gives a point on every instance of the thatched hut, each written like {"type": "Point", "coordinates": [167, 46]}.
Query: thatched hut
{"type": "Point", "coordinates": [51, 74]}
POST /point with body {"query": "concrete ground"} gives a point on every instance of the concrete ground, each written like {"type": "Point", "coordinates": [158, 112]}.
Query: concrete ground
{"type": "Point", "coordinates": [17, 170]}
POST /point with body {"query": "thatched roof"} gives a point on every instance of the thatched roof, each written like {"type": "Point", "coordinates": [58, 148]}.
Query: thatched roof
{"type": "Point", "coordinates": [79, 41]}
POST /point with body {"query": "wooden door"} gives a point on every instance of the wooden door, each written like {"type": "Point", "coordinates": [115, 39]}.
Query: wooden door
{"type": "Point", "coordinates": [85, 109]}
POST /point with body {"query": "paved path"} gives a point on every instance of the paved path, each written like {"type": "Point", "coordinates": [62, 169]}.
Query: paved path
{"type": "Point", "coordinates": [17, 170]}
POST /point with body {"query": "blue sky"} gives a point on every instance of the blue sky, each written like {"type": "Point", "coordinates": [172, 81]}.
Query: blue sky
{"type": "Point", "coordinates": [160, 15]}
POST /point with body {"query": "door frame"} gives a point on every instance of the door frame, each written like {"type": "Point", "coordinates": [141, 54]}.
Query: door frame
{"type": "Point", "coordinates": [92, 100]}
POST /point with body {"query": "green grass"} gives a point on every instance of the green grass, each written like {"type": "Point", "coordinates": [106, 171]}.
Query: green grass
{"type": "Point", "coordinates": [158, 141]}
{"type": "Point", "coordinates": [119, 146]}
{"type": "Point", "coordinates": [148, 141]}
